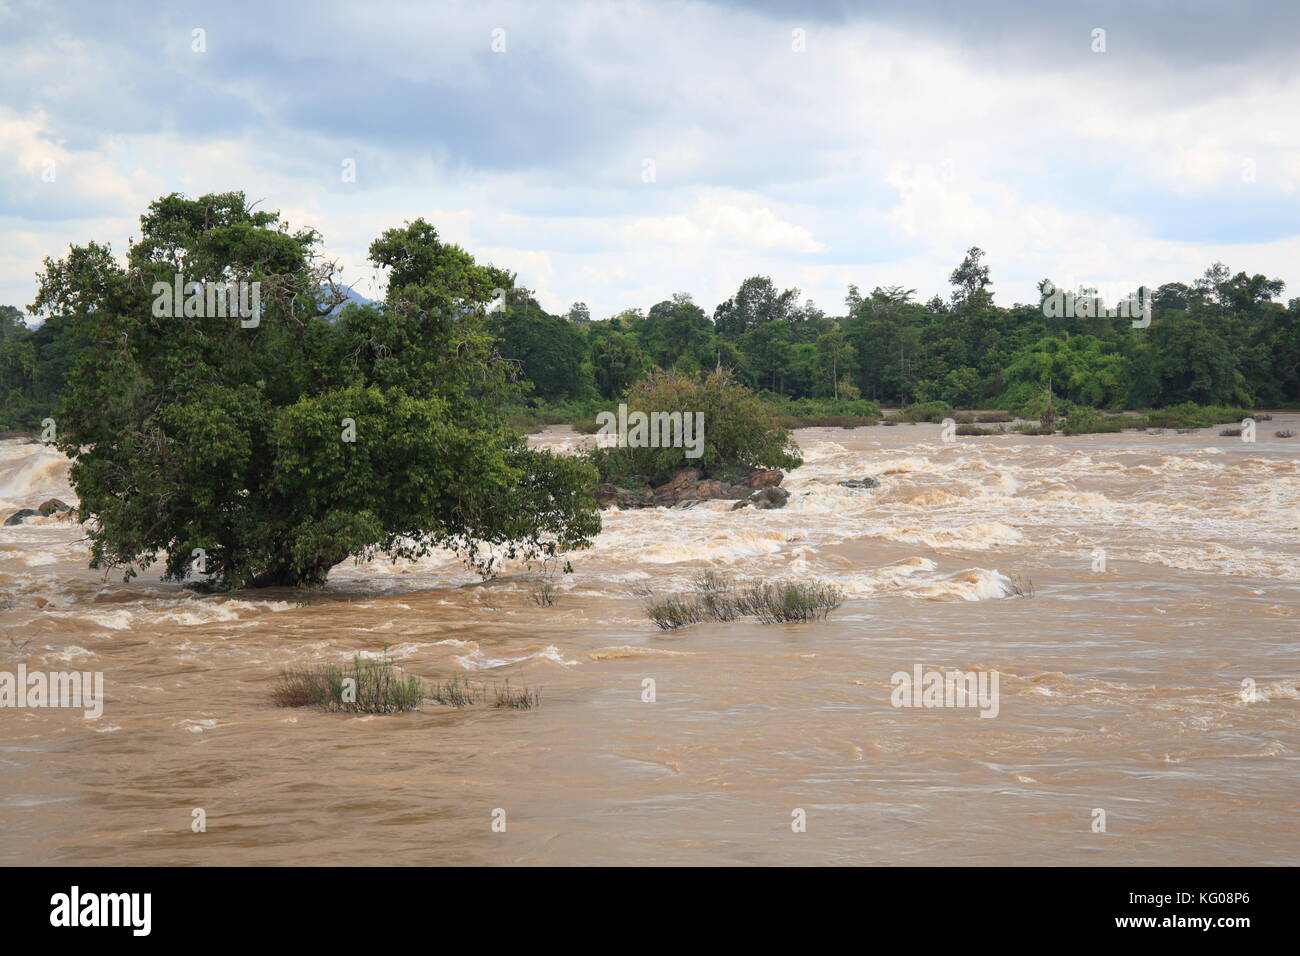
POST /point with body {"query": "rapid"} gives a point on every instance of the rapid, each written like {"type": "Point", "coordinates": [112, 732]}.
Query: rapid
{"type": "Point", "coordinates": [1138, 595]}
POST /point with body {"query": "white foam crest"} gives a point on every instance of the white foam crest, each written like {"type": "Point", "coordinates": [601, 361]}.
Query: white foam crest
{"type": "Point", "coordinates": [972, 584]}
{"type": "Point", "coordinates": [477, 660]}
{"type": "Point", "coordinates": [980, 536]}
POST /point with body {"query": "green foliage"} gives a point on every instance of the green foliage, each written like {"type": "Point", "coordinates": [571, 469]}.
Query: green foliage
{"type": "Point", "coordinates": [548, 349]}
{"type": "Point", "coordinates": [1081, 420]}
{"type": "Point", "coordinates": [1083, 370]}
{"type": "Point", "coordinates": [1218, 340]}
{"type": "Point", "coordinates": [617, 361]}
{"type": "Point", "coordinates": [282, 449]}
{"type": "Point", "coordinates": [741, 431]}
{"type": "Point", "coordinates": [810, 412]}
{"type": "Point", "coordinates": [1191, 415]}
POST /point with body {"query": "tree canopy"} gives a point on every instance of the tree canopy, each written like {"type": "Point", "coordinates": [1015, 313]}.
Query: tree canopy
{"type": "Point", "coordinates": [265, 455]}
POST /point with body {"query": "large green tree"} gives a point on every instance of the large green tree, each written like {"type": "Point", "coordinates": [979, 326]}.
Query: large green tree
{"type": "Point", "coordinates": [273, 448]}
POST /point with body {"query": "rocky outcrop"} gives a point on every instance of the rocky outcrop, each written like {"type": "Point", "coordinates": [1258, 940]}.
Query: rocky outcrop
{"type": "Point", "coordinates": [766, 479]}
{"type": "Point", "coordinates": [51, 506]}
{"type": "Point", "coordinates": [688, 486]}
{"type": "Point", "coordinates": [864, 482]}
{"type": "Point", "coordinates": [609, 495]}
{"type": "Point", "coordinates": [18, 517]}
{"type": "Point", "coordinates": [764, 498]}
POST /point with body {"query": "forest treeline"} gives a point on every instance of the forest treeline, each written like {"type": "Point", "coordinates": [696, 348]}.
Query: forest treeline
{"type": "Point", "coordinates": [1221, 339]}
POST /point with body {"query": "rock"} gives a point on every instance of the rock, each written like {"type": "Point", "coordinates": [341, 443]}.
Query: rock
{"type": "Point", "coordinates": [607, 495]}
{"type": "Point", "coordinates": [712, 488]}
{"type": "Point", "coordinates": [688, 487]}
{"type": "Point", "coordinates": [18, 517]}
{"type": "Point", "coordinates": [679, 481]}
{"type": "Point", "coordinates": [765, 498]}
{"type": "Point", "coordinates": [47, 508]}
{"type": "Point", "coordinates": [767, 478]}
{"type": "Point", "coordinates": [865, 482]}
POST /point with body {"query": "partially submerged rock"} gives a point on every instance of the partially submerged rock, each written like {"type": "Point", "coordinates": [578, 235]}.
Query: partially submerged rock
{"type": "Point", "coordinates": [866, 481]}
{"type": "Point", "coordinates": [50, 506]}
{"type": "Point", "coordinates": [688, 487]}
{"type": "Point", "coordinates": [764, 498]}
{"type": "Point", "coordinates": [607, 495]}
{"type": "Point", "coordinates": [18, 517]}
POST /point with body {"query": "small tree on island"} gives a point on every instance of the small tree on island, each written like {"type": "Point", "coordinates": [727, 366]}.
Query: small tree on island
{"type": "Point", "coordinates": [741, 431]}
{"type": "Point", "coordinates": [264, 453]}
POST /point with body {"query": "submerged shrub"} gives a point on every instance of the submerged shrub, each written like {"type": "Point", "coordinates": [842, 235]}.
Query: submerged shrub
{"type": "Point", "coordinates": [786, 601]}
{"type": "Point", "coordinates": [770, 602]}
{"type": "Point", "coordinates": [674, 612]}
{"type": "Point", "coordinates": [710, 580]}
{"type": "Point", "coordinates": [366, 687]}
{"type": "Point", "coordinates": [545, 593]}
{"type": "Point", "coordinates": [456, 692]}
{"type": "Point", "coordinates": [459, 692]}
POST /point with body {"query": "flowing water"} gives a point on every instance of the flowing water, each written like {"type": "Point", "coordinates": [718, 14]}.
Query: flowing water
{"type": "Point", "coordinates": [1120, 689]}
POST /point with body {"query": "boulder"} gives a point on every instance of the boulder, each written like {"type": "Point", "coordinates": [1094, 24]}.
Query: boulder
{"type": "Point", "coordinates": [867, 481]}
{"type": "Point", "coordinates": [766, 478]}
{"type": "Point", "coordinates": [18, 517]}
{"type": "Point", "coordinates": [712, 488]}
{"type": "Point", "coordinates": [680, 481]}
{"type": "Point", "coordinates": [688, 487]}
{"type": "Point", "coordinates": [607, 495]}
{"type": "Point", "coordinates": [765, 498]}
{"type": "Point", "coordinates": [49, 507]}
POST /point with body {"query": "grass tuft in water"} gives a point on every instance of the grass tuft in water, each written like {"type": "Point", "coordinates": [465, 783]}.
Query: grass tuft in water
{"type": "Point", "coordinates": [364, 687]}
{"type": "Point", "coordinates": [771, 602]}
{"type": "Point", "coordinates": [459, 692]}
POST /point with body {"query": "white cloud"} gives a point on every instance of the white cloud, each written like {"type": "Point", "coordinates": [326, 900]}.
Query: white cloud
{"type": "Point", "coordinates": [876, 157]}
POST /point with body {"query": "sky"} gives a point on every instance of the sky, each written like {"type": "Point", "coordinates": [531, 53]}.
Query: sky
{"type": "Point", "coordinates": [616, 153]}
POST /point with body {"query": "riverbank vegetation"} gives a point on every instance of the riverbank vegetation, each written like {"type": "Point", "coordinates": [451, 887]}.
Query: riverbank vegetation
{"type": "Point", "coordinates": [1221, 339]}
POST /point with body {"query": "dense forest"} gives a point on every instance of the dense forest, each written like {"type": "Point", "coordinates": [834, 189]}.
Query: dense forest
{"type": "Point", "coordinates": [1221, 339]}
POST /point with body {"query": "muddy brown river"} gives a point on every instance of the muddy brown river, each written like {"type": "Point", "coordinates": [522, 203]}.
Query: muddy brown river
{"type": "Point", "coordinates": [1149, 672]}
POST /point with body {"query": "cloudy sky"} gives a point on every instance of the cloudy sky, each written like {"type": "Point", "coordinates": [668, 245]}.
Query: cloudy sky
{"type": "Point", "coordinates": [619, 152]}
